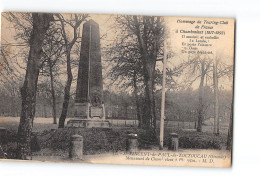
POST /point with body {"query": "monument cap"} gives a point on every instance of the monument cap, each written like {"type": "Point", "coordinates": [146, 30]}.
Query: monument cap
{"type": "Point", "coordinates": [132, 135]}
{"type": "Point", "coordinates": [175, 135]}
{"type": "Point", "coordinates": [76, 137]}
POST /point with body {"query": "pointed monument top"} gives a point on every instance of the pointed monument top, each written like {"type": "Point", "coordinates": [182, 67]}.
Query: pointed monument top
{"type": "Point", "coordinates": [92, 23]}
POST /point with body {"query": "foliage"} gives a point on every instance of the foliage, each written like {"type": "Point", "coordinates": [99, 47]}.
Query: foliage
{"type": "Point", "coordinates": [199, 142]}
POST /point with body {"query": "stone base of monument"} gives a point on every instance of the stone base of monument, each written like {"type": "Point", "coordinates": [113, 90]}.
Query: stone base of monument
{"type": "Point", "coordinates": [84, 123]}
{"type": "Point", "coordinates": [80, 110]}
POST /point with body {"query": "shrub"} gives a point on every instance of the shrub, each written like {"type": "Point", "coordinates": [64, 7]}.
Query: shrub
{"type": "Point", "coordinates": [95, 140]}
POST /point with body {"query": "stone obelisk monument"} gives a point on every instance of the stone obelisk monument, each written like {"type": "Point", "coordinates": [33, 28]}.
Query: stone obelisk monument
{"type": "Point", "coordinates": [89, 103]}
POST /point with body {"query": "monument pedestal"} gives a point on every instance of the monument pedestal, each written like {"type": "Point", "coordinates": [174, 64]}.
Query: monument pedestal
{"type": "Point", "coordinates": [81, 110]}
{"type": "Point", "coordinates": [84, 123]}
{"type": "Point", "coordinates": [87, 116]}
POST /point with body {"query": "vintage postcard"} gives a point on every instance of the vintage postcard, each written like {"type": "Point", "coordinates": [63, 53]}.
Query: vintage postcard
{"type": "Point", "coordinates": [116, 89]}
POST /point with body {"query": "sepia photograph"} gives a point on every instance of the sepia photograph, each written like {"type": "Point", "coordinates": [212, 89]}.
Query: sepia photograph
{"type": "Point", "coordinates": [117, 89]}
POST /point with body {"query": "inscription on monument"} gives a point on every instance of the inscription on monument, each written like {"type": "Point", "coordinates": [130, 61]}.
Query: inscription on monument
{"type": "Point", "coordinates": [96, 112]}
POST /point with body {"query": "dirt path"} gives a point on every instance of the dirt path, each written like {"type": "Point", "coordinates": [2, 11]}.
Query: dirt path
{"type": "Point", "coordinates": [191, 158]}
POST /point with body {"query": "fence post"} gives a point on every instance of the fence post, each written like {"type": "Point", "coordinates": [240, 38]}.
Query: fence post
{"type": "Point", "coordinates": [131, 143]}
{"type": "Point", "coordinates": [76, 147]}
{"type": "Point", "coordinates": [173, 142]}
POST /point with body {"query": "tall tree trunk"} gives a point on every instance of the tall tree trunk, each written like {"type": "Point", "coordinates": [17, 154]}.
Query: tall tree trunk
{"type": "Point", "coordinates": [126, 110]}
{"type": "Point", "coordinates": [41, 23]}
{"type": "Point", "coordinates": [11, 109]}
{"type": "Point", "coordinates": [137, 101]}
{"type": "Point", "coordinates": [230, 130]}
{"type": "Point", "coordinates": [216, 119]}
{"type": "Point", "coordinates": [66, 93]}
{"type": "Point", "coordinates": [44, 110]}
{"type": "Point", "coordinates": [201, 104]}
{"type": "Point", "coordinates": [150, 119]}
{"type": "Point", "coordinates": [12, 105]}
{"type": "Point", "coordinates": [149, 57]}
{"type": "Point", "coordinates": [53, 93]}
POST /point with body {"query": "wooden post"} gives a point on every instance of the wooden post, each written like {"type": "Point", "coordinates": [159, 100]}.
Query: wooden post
{"type": "Point", "coordinates": [216, 119]}
{"type": "Point", "coordinates": [163, 96]}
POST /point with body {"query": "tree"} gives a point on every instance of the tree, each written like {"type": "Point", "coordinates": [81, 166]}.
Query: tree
{"type": "Point", "coordinates": [204, 66]}
{"type": "Point", "coordinates": [200, 67]}
{"type": "Point", "coordinates": [12, 72]}
{"type": "Point", "coordinates": [41, 23]}
{"type": "Point", "coordinates": [149, 32]}
{"type": "Point", "coordinates": [53, 93]}
{"type": "Point", "coordinates": [127, 69]}
{"type": "Point", "coordinates": [9, 83]}
{"type": "Point", "coordinates": [220, 70]}
{"type": "Point", "coordinates": [74, 22]}
{"type": "Point", "coordinates": [143, 35]}
{"type": "Point", "coordinates": [52, 49]}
